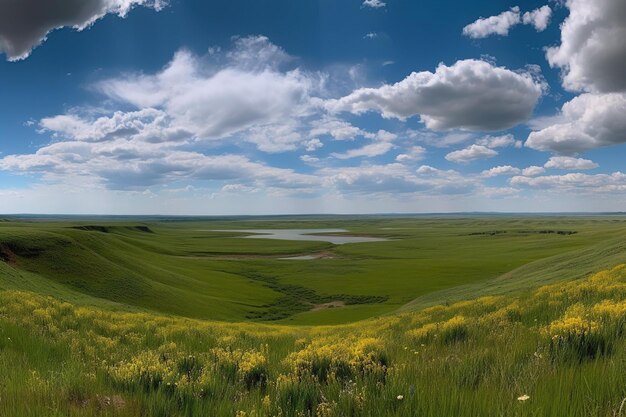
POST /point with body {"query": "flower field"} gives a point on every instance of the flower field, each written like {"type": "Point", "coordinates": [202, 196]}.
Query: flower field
{"type": "Point", "coordinates": [558, 350]}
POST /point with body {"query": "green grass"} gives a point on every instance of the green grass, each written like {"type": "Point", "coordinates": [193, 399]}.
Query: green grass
{"type": "Point", "coordinates": [184, 268]}
{"type": "Point", "coordinates": [476, 358]}
{"type": "Point", "coordinates": [458, 316]}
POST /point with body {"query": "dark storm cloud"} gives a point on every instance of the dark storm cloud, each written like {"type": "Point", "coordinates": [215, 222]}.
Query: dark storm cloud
{"type": "Point", "coordinates": [24, 24]}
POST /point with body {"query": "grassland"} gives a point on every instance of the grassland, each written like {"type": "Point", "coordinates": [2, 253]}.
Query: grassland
{"type": "Point", "coordinates": [448, 317]}
{"type": "Point", "coordinates": [183, 268]}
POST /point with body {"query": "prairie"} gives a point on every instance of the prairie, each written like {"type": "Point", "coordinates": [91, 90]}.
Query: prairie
{"type": "Point", "coordinates": [473, 316]}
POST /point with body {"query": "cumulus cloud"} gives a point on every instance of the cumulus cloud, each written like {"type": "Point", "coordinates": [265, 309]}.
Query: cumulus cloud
{"type": "Point", "coordinates": [592, 53]}
{"type": "Point", "coordinates": [471, 153]}
{"type": "Point", "coordinates": [576, 182]}
{"type": "Point", "coordinates": [146, 125]}
{"type": "Point", "coordinates": [592, 57]}
{"type": "Point", "coordinates": [438, 139]}
{"type": "Point", "coordinates": [163, 142]}
{"type": "Point", "coordinates": [532, 171]}
{"type": "Point", "coordinates": [369, 151]}
{"type": "Point", "coordinates": [192, 99]}
{"type": "Point", "coordinates": [313, 144]}
{"type": "Point", "coordinates": [569, 163]}
{"type": "Point", "coordinates": [383, 135]}
{"type": "Point", "coordinates": [127, 165]}
{"type": "Point", "coordinates": [24, 24]}
{"type": "Point", "coordinates": [586, 122]}
{"type": "Point", "coordinates": [499, 141]}
{"type": "Point", "coordinates": [374, 4]}
{"type": "Point", "coordinates": [415, 153]}
{"type": "Point", "coordinates": [493, 25]}
{"type": "Point", "coordinates": [219, 103]}
{"type": "Point", "coordinates": [501, 170]}
{"type": "Point", "coordinates": [398, 179]}
{"type": "Point", "coordinates": [277, 137]}
{"type": "Point", "coordinates": [539, 18]}
{"type": "Point", "coordinates": [244, 94]}
{"type": "Point", "coordinates": [257, 53]}
{"type": "Point", "coordinates": [501, 24]}
{"type": "Point", "coordinates": [470, 95]}
{"type": "Point", "coordinates": [427, 170]}
{"type": "Point", "coordinates": [309, 159]}
{"type": "Point", "coordinates": [336, 128]}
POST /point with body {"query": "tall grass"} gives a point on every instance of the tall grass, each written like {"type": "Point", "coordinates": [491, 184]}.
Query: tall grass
{"type": "Point", "coordinates": [555, 351]}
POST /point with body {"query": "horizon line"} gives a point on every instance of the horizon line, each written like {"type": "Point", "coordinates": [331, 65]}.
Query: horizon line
{"type": "Point", "coordinates": [398, 214]}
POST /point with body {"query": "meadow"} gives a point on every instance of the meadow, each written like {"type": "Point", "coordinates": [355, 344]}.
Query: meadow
{"type": "Point", "coordinates": [450, 316]}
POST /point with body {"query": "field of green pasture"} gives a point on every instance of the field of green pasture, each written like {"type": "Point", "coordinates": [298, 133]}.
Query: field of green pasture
{"type": "Point", "coordinates": [558, 351]}
{"type": "Point", "coordinates": [187, 268]}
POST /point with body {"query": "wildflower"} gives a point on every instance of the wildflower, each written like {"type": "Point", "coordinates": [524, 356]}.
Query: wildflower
{"type": "Point", "coordinates": [523, 398]}
{"type": "Point", "coordinates": [267, 402]}
{"type": "Point", "coordinates": [400, 397]}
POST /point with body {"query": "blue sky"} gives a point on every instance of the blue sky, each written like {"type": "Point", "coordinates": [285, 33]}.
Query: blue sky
{"type": "Point", "coordinates": [315, 106]}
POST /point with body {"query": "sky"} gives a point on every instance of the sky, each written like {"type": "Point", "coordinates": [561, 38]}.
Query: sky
{"type": "Point", "coordinates": [196, 107]}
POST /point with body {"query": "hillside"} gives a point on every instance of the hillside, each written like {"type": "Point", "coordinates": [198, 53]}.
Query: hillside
{"type": "Point", "coordinates": [186, 269]}
{"type": "Point", "coordinates": [557, 350]}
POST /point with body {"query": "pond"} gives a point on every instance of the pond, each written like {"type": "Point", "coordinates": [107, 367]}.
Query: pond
{"type": "Point", "coordinates": [318, 235]}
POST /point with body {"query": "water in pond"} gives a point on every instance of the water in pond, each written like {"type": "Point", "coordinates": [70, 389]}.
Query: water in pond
{"type": "Point", "coordinates": [318, 235]}
{"type": "Point", "coordinates": [300, 258]}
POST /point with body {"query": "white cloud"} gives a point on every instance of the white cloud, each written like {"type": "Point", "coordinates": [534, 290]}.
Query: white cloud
{"type": "Point", "coordinates": [493, 25]}
{"type": "Point", "coordinates": [501, 24]}
{"type": "Point", "coordinates": [374, 4]}
{"type": "Point", "coordinates": [374, 178]}
{"type": "Point", "coordinates": [569, 163]}
{"type": "Point", "coordinates": [438, 139]}
{"type": "Point", "coordinates": [427, 170]}
{"type": "Point", "coordinates": [592, 57]}
{"type": "Point", "coordinates": [127, 165]}
{"type": "Point", "coordinates": [576, 182]}
{"type": "Point", "coordinates": [586, 122]}
{"type": "Point", "coordinates": [219, 103]}
{"type": "Point", "coordinates": [532, 171]}
{"type": "Point", "coordinates": [342, 130]}
{"type": "Point", "coordinates": [397, 179]}
{"type": "Point", "coordinates": [338, 129]}
{"type": "Point", "coordinates": [369, 151]}
{"type": "Point", "coordinates": [146, 125]}
{"type": "Point", "coordinates": [313, 144]}
{"type": "Point", "coordinates": [238, 188]}
{"type": "Point", "coordinates": [371, 35]}
{"type": "Point", "coordinates": [309, 159]}
{"type": "Point", "coordinates": [384, 136]}
{"type": "Point", "coordinates": [275, 137]}
{"type": "Point", "coordinates": [592, 53]}
{"type": "Point", "coordinates": [501, 170]}
{"type": "Point", "coordinates": [499, 141]}
{"type": "Point", "coordinates": [24, 24]}
{"type": "Point", "coordinates": [256, 53]}
{"type": "Point", "coordinates": [539, 18]}
{"type": "Point", "coordinates": [471, 153]}
{"type": "Point", "coordinates": [415, 153]}
{"type": "Point", "coordinates": [470, 95]}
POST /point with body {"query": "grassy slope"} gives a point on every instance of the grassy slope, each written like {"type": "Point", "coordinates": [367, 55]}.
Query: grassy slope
{"type": "Point", "coordinates": [562, 347]}
{"type": "Point", "coordinates": [110, 354]}
{"type": "Point", "coordinates": [108, 267]}
{"type": "Point", "coordinates": [181, 268]}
